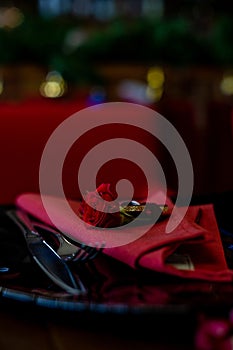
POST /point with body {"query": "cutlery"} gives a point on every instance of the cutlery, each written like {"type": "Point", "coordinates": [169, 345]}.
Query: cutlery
{"type": "Point", "coordinates": [78, 252]}
{"type": "Point", "coordinates": [45, 256]}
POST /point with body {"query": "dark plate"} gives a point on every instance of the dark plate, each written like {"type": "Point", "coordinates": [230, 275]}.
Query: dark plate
{"type": "Point", "coordinates": [114, 289]}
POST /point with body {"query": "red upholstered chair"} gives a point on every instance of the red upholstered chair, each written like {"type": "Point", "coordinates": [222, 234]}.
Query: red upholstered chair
{"type": "Point", "coordinates": [24, 129]}
{"type": "Point", "coordinates": [182, 114]}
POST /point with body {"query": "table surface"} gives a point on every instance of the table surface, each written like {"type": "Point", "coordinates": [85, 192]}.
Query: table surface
{"type": "Point", "coordinates": [35, 329]}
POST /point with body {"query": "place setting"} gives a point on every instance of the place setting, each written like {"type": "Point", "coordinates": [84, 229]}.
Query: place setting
{"type": "Point", "coordinates": [177, 273]}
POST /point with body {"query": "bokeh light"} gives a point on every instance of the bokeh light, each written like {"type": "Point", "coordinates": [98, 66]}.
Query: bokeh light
{"type": "Point", "coordinates": [155, 81]}
{"type": "Point", "coordinates": [155, 77]}
{"type": "Point", "coordinates": [1, 85]}
{"type": "Point", "coordinates": [54, 85]}
{"type": "Point", "coordinates": [75, 38]}
{"type": "Point", "coordinates": [10, 17]}
{"type": "Point", "coordinates": [226, 85]}
{"type": "Point", "coordinates": [97, 95]}
{"type": "Point", "coordinates": [154, 95]}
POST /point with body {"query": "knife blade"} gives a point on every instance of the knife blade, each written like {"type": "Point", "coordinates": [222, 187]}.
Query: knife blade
{"type": "Point", "coordinates": [45, 256]}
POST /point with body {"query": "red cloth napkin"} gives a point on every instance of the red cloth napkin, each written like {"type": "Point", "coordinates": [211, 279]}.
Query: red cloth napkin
{"type": "Point", "coordinates": [193, 250]}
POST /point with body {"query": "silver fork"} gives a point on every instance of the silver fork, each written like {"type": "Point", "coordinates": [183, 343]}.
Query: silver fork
{"type": "Point", "coordinates": [68, 251]}
{"type": "Point", "coordinates": [86, 253]}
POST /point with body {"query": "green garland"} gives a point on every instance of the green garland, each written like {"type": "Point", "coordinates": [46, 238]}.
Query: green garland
{"type": "Point", "coordinates": [173, 41]}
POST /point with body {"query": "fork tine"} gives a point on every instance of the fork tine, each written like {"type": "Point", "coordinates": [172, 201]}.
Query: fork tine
{"type": "Point", "coordinates": [79, 255]}
{"type": "Point", "coordinates": [86, 253]}
{"type": "Point", "coordinates": [96, 251]}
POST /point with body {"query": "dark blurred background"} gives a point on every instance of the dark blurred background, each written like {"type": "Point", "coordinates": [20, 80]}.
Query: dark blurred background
{"type": "Point", "coordinates": [173, 56]}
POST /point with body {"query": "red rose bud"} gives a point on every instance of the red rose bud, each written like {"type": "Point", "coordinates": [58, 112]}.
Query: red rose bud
{"type": "Point", "coordinates": [100, 213]}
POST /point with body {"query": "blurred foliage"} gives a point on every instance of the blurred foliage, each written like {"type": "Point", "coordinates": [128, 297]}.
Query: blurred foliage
{"type": "Point", "coordinates": [173, 41]}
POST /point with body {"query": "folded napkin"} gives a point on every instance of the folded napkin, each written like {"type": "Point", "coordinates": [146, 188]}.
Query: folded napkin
{"type": "Point", "coordinates": [192, 250]}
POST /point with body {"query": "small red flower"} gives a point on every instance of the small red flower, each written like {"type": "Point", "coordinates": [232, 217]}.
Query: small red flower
{"type": "Point", "coordinates": [99, 213]}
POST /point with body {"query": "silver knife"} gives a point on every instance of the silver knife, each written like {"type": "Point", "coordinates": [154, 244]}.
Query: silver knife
{"type": "Point", "coordinates": [45, 256]}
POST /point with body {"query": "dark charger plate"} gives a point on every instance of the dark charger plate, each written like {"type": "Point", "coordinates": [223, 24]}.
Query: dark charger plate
{"type": "Point", "coordinates": [116, 294]}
